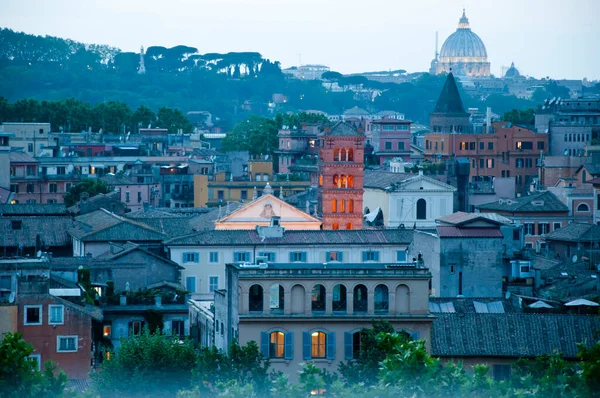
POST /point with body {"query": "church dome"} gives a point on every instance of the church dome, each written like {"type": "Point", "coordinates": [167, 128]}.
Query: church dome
{"type": "Point", "coordinates": [512, 71]}
{"type": "Point", "coordinates": [463, 45]}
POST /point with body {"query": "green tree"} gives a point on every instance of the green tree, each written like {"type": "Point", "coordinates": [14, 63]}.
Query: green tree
{"type": "Point", "coordinates": [243, 364]}
{"type": "Point", "coordinates": [173, 119]}
{"type": "Point", "coordinates": [91, 187]}
{"type": "Point", "coordinates": [19, 377]}
{"type": "Point", "coordinates": [521, 117]}
{"type": "Point", "coordinates": [149, 365]}
{"type": "Point", "coordinates": [257, 135]}
{"type": "Point", "coordinates": [142, 117]}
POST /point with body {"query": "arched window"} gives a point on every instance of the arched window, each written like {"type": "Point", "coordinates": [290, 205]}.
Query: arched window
{"type": "Point", "coordinates": [276, 345]}
{"type": "Point", "coordinates": [339, 302]}
{"type": "Point", "coordinates": [342, 206]}
{"type": "Point", "coordinates": [335, 226]}
{"type": "Point", "coordinates": [318, 345]}
{"type": "Point", "coordinates": [298, 299]}
{"type": "Point", "coordinates": [255, 297]}
{"type": "Point", "coordinates": [334, 205]}
{"type": "Point", "coordinates": [421, 209]}
{"type": "Point", "coordinates": [583, 207]}
{"type": "Point", "coordinates": [350, 155]}
{"type": "Point", "coordinates": [336, 154]}
{"type": "Point", "coordinates": [344, 155]}
{"type": "Point", "coordinates": [350, 182]}
{"type": "Point", "coordinates": [276, 295]}
{"type": "Point", "coordinates": [360, 298]}
{"type": "Point", "coordinates": [382, 299]}
{"type": "Point", "coordinates": [343, 181]}
{"type": "Point", "coordinates": [351, 206]}
{"type": "Point", "coordinates": [349, 225]}
{"type": "Point", "coordinates": [336, 180]}
{"type": "Point", "coordinates": [318, 298]}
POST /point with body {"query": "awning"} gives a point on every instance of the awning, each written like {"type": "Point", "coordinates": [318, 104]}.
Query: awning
{"type": "Point", "coordinates": [540, 304]}
{"type": "Point", "coordinates": [581, 301]}
{"type": "Point", "coordinates": [372, 215]}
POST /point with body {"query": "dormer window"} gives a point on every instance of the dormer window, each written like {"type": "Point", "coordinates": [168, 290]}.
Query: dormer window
{"type": "Point", "coordinates": [537, 202]}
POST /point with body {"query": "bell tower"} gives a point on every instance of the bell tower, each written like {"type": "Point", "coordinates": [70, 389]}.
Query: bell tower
{"type": "Point", "coordinates": [341, 177]}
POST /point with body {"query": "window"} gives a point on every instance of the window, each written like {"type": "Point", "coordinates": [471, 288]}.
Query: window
{"type": "Point", "coordinates": [460, 283]}
{"type": "Point", "coordinates": [339, 300]}
{"type": "Point", "coordinates": [401, 146]}
{"type": "Point", "coordinates": [190, 257]}
{"type": "Point", "coordinates": [481, 163]}
{"type": "Point", "coordinates": [351, 206]}
{"type": "Point", "coordinates": [52, 188]}
{"type": "Point", "coordinates": [540, 145]}
{"type": "Point", "coordinates": [276, 298]}
{"type": "Point", "coordinates": [543, 228]}
{"type": "Point", "coordinates": [342, 206]}
{"type": "Point", "coordinates": [501, 372]}
{"type": "Point", "coordinates": [490, 146]}
{"type": "Point", "coordinates": [296, 257]}
{"type": "Point", "coordinates": [255, 298]}
{"type": "Point", "coordinates": [14, 188]}
{"type": "Point", "coordinates": [318, 298]}
{"type": "Point", "coordinates": [388, 145]}
{"type": "Point", "coordinates": [334, 205]}
{"type": "Point", "coordinates": [60, 170]}
{"type": "Point", "coordinates": [190, 284]}
{"type": "Point", "coordinates": [490, 163]}
{"type": "Point", "coordinates": [244, 194]}
{"type": "Point", "coordinates": [139, 197]}
{"type": "Point", "coordinates": [66, 343]}
{"type": "Point", "coordinates": [516, 234]}
{"type": "Point", "coordinates": [382, 299]}
{"type": "Point", "coordinates": [136, 327]}
{"type": "Point", "coordinates": [481, 145]}
{"type": "Point", "coordinates": [556, 225]}
{"type": "Point", "coordinates": [421, 209]}
{"type": "Point", "coordinates": [528, 228]}
{"type": "Point", "coordinates": [318, 345]}
{"type": "Point", "coordinates": [349, 226]}
{"type": "Point", "coordinates": [56, 314]}
{"type": "Point", "coordinates": [30, 188]}
{"type": "Point", "coordinates": [401, 256]}
{"type": "Point", "coordinates": [30, 147]}
{"type": "Point", "coordinates": [16, 225]}
{"type": "Point", "coordinates": [241, 257]}
{"type": "Point", "coordinates": [387, 127]}
{"type": "Point", "coordinates": [30, 201]}
{"type": "Point", "coordinates": [220, 195]}
{"type": "Point", "coordinates": [31, 170]}
{"type": "Point", "coordinates": [213, 283]}
{"type": "Point", "coordinates": [524, 145]}
{"type": "Point", "coordinates": [351, 345]}
{"type": "Point", "coordinates": [37, 361]}
{"type": "Point", "coordinates": [178, 328]}
{"type": "Point", "coordinates": [33, 315]}
{"type": "Point", "coordinates": [360, 298]}
{"type": "Point", "coordinates": [269, 256]}
{"type": "Point", "coordinates": [370, 255]}
{"type": "Point", "coordinates": [335, 226]}
{"type": "Point", "coordinates": [52, 201]}
{"type": "Point", "coordinates": [471, 146]}
{"type": "Point", "coordinates": [583, 207]}
{"type": "Point", "coordinates": [107, 331]}
{"type": "Point", "coordinates": [463, 146]}
{"type": "Point", "coordinates": [333, 256]}
{"type": "Point", "coordinates": [276, 345]}
{"type": "Point", "coordinates": [213, 257]}
{"type": "Point", "coordinates": [528, 163]}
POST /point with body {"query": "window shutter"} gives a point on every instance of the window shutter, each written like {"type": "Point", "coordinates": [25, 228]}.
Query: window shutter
{"type": "Point", "coordinates": [340, 256]}
{"type": "Point", "coordinates": [327, 256]}
{"type": "Point", "coordinates": [376, 256]}
{"type": "Point", "coordinates": [236, 257]}
{"type": "Point", "coordinates": [348, 346]}
{"type": "Point", "coordinates": [306, 346]}
{"type": "Point", "coordinates": [291, 257]}
{"type": "Point", "coordinates": [364, 256]}
{"type": "Point", "coordinates": [264, 344]}
{"type": "Point", "coordinates": [303, 257]}
{"type": "Point", "coordinates": [196, 257]}
{"type": "Point", "coordinates": [288, 352]}
{"type": "Point", "coordinates": [183, 257]}
{"type": "Point", "coordinates": [414, 335]}
{"type": "Point", "coordinates": [539, 228]}
{"type": "Point", "coordinates": [130, 328]}
{"type": "Point", "coordinates": [331, 345]}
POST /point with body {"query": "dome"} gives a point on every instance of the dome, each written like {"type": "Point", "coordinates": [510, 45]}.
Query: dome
{"type": "Point", "coordinates": [463, 45]}
{"type": "Point", "coordinates": [512, 71]}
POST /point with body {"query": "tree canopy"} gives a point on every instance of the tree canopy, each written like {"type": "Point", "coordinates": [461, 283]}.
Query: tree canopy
{"type": "Point", "coordinates": [87, 185]}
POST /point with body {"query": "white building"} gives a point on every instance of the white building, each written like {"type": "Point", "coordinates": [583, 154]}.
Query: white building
{"type": "Point", "coordinates": [204, 254]}
{"type": "Point", "coordinates": [306, 72]}
{"type": "Point", "coordinates": [407, 199]}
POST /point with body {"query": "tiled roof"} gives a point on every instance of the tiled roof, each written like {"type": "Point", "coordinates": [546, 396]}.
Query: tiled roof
{"type": "Point", "coordinates": [511, 335]}
{"type": "Point", "coordinates": [121, 180]}
{"type": "Point", "coordinates": [206, 221]}
{"type": "Point", "coordinates": [460, 218]}
{"type": "Point", "coordinates": [168, 223]}
{"type": "Point", "coordinates": [52, 230]}
{"type": "Point", "coordinates": [342, 129]}
{"type": "Point", "coordinates": [455, 232]}
{"type": "Point", "coordinates": [576, 232]}
{"type": "Point", "coordinates": [449, 100]}
{"type": "Point", "coordinates": [102, 225]}
{"type": "Point", "coordinates": [251, 237]}
{"type": "Point", "coordinates": [538, 202]}
{"type": "Point", "coordinates": [383, 179]}
{"type": "Point", "coordinates": [592, 168]}
{"type": "Point", "coordinates": [128, 248]}
{"type": "Point", "coordinates": [78, 385]}
{"type": "Point", "coordinates": [466, 305]}
{"type": "Point", "coordinates": [21, 157]}
{"type": "Point", "coordinates": [32, 209]}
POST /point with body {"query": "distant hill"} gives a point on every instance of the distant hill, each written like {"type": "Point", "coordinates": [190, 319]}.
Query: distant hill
{"type": "Point", "coordinates": [231, 85]}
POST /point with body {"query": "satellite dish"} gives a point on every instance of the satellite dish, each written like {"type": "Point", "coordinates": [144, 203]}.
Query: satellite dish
{"type": "Point", "coordinates": [574, 259]}
{"type": "Point", "coordinates": [11, 298]}
{"type": "Point", "coordinates": [566, 152]}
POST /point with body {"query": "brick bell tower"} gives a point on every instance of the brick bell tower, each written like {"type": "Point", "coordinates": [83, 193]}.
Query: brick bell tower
{"type": "Point", "coordinates": [341, 177]}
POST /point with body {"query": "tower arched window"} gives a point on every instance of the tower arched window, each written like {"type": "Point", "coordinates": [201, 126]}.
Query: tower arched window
{"type": "Point", "coordinates": [335, 226]}
{"type": "Point", "coordinates": [336, 154]}
{"type": "Point", "coordinates": [349, 225]}
{"type": "Point", "coordinates": [350, 182]}
{"type": "Point", "coordinates": [343, 181]}
{"type": "Point", "coordinates": [350, 155]}
{"type": "Point", "coordinates": [421, 209]}
{"type": "Point", "coordinates": [334, 205]}
{"type": "Point", "coordinates": [351, 206]}
{"type": "Point", "coordinates": [342, 206]}
{"type": "Point", "coordinates": [336, 180]}
{"type": "Point", "coordinates": [321, 180]}
{"type": "Point", "coordinates": [255, 298]}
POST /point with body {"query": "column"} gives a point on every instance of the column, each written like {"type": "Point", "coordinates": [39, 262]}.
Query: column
{"type": "Point", "coordinates": [266, 302]}
{"type": "Point", "coordinates": [287, 302]}
{"type": "Point", "coordinates": [329, 303]}
{"type": "Point", "coordinates": [350, 301]}
{"type": "Point", "coordinates": [370, 302]}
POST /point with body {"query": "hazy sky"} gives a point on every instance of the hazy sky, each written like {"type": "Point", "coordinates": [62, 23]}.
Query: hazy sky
{"type": "Point", "coordinates": [556, 38]}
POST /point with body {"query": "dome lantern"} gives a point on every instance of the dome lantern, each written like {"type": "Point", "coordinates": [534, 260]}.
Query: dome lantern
{"type": "Point", "coordinates": [463, 23]}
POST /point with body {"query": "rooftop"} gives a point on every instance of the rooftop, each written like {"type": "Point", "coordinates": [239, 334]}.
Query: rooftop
{"type": "Point", "coordinates": [461, 218]}
{"type": "Point", "coordinates": [457, 232]}
{"type": "Point", "coordinates": [511, 335]}
{"type": "Point", "coordinates": [52, 230]}
{"type": "Point", "coordinates": [384, 179]}
{"type": "Point", "coordinates": [536, 203]}
{"type": "Point", "coordinates": [342, 129]}
{"type": "Point", "coordinates": [322, 237]}
{"type": "Point", "coordinates": [32, 209]}
{"type": "Point", "coordinates": [449, 100]}
{"type": "Point", "coordinates": [102, 225]}
{"type": "Point", "coordinates": [576, 232]}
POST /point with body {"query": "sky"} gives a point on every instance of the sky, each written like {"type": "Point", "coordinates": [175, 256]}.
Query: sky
{"type": "Point", "coordinates": [555, 38]}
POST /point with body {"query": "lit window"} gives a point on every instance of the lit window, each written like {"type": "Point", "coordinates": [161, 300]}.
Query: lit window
{"type": "Point", "coordinates": [318, 345]}
{"type": "Point", "coordinates": [107, 331]}
{"type": "Point", "coordinates": [276, 345]}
